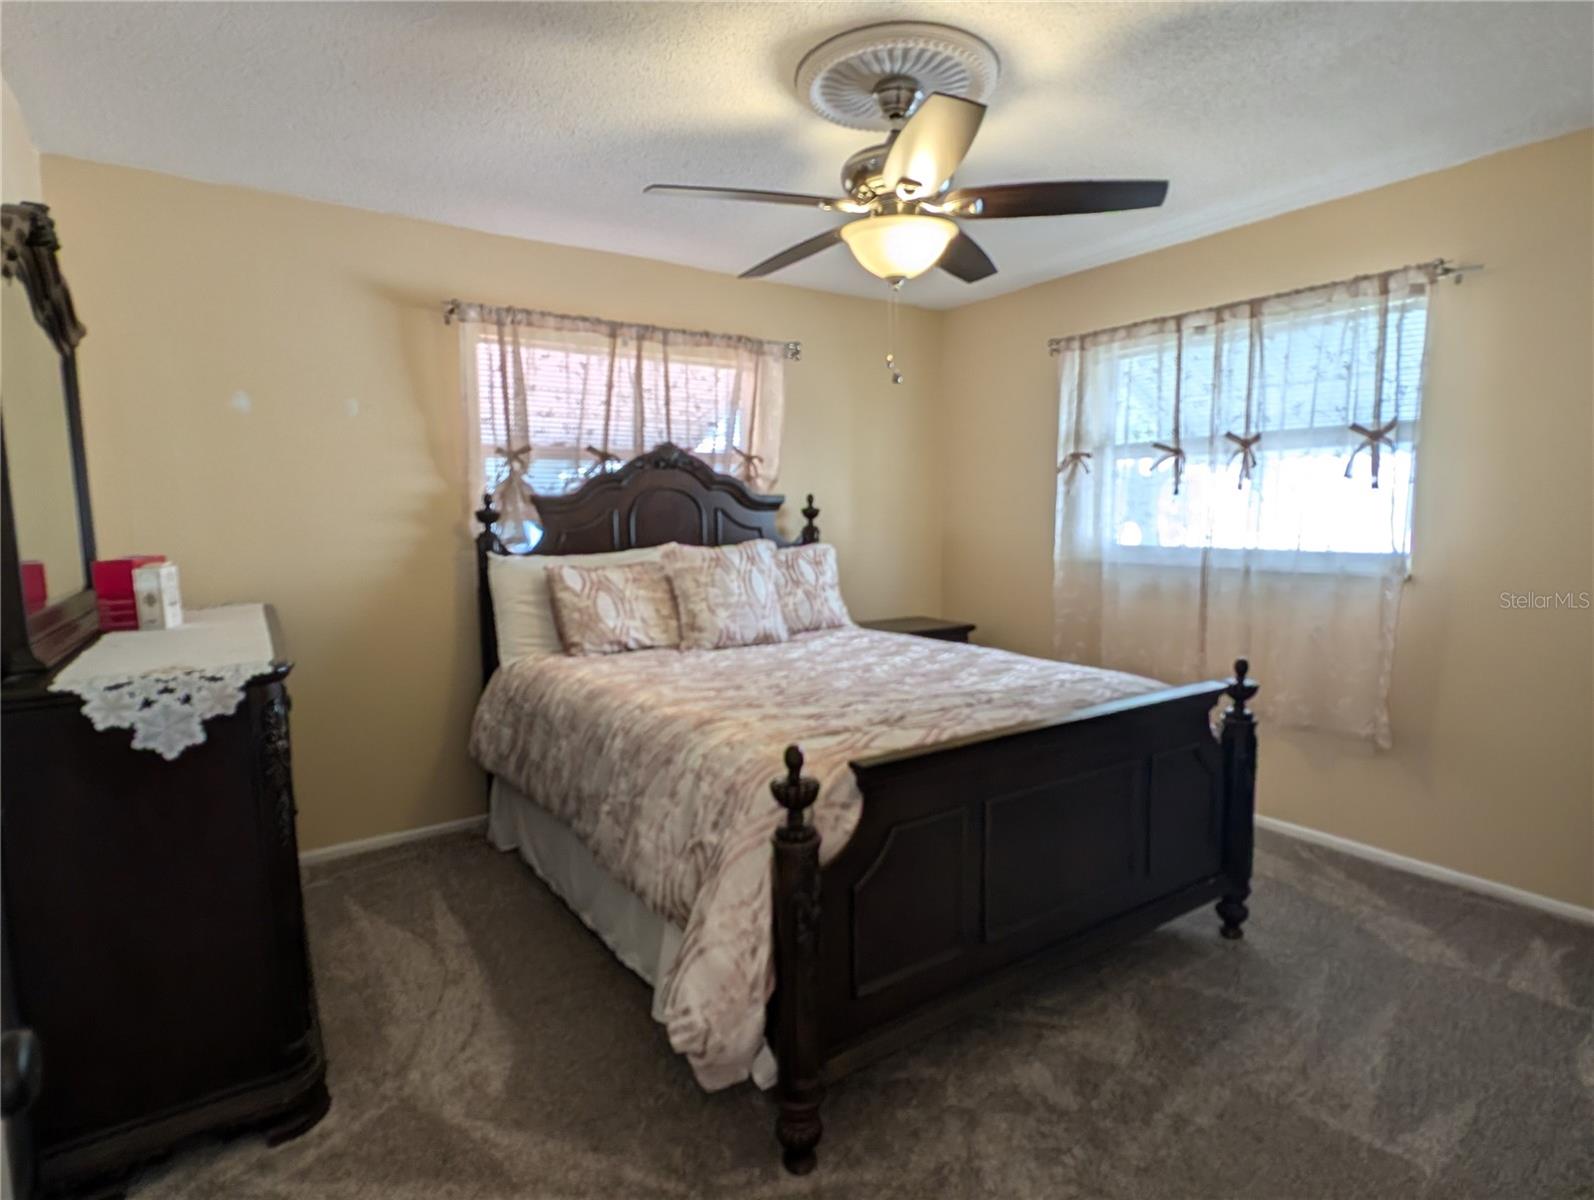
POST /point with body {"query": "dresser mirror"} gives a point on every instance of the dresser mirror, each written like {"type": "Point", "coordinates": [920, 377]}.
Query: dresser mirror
{"type": "Point", "coordinates": [47, 528]}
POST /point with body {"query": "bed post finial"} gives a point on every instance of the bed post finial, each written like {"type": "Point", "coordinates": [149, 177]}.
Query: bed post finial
{"type": "Point", "coordinates": [810, 533]}
{"type": "Point", "coordinates": [1239, 690]}
{"type": "Point", "coordinates": [800, 1089]}
{"type": "Point", "coordinates": [795, 793]}
{"type": "Point", "coordinates": [1239, 800]}
{"type": "Point", "coordinates": [486, 517]}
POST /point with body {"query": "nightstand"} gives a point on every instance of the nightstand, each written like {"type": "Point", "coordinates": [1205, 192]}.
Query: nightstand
{"type": "Point", "coordinates": [930, 627]}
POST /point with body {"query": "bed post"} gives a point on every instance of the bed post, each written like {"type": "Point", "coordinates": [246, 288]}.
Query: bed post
{"type": "Point", "coordinates": [800, 1088]}
{"type": "Point", "coordinates": [1239, 788]}
{"type": "Point", "coordinates": [486, 543]}
{"type": "Point", "coordinates": [810, 533]}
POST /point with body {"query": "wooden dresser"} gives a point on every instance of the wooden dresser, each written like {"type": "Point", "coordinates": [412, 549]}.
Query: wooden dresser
{"type": "Point", "coordinates": [155, 933]}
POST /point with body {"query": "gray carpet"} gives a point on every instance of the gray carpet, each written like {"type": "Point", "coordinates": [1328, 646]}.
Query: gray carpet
{"type": "Point", "coordinates": [1374, 1035]}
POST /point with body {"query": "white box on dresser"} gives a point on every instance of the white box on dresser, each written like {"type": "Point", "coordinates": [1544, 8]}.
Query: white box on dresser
{"type": "Point", "coordinates": [160, 604]}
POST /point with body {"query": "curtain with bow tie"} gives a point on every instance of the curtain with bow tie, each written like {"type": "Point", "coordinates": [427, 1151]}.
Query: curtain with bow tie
{"type": "Point", "coordinates": [553, 399]}
{"type": "Point", "coordinates": [1238, 481]}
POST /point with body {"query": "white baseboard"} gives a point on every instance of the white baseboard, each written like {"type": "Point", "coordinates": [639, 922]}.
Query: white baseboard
{"type": "Point", "coordinates": [1428, 870]}
{"type": "Point", "coordinates": [384, 840]}
{"type": "Point", "coordinates": [1414, 866]}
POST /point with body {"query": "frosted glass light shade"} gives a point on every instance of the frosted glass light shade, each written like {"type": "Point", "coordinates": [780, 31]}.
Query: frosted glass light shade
{"type": "Point", "coordinates": [899, 245]}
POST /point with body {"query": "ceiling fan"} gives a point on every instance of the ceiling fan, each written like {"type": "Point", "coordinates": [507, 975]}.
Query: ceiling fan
{"type": "Point", "coordinates": [900, 193]}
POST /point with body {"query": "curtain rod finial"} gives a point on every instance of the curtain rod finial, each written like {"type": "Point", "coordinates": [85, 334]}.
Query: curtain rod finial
{"type": "Point", "coordinates": [1444, 268]}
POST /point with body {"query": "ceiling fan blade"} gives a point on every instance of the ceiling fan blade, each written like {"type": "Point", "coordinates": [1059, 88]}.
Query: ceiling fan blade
{"type": "Point", "coordinates": [965, 260]}
{"type": "Point", "coordinates": [758, 197]}
{"type": "Point", "coordinates": [929, 148]}
{"type": "Point", "coordinates": [1055, 199]}
{"type": "Point", "coordinates": [794, 254]}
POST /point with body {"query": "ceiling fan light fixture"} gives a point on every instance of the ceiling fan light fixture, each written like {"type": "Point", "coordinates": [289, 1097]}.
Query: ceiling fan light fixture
{"type": "Point", "coordinates": [899, 245]}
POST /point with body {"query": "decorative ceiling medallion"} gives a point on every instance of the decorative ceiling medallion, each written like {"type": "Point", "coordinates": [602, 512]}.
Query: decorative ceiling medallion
{"type": "Point", "coordinates": [840, 77]}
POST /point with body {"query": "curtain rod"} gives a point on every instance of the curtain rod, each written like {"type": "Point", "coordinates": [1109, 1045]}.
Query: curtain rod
{"type": "Point", "coordinates": [1439, 268]}
{"type": "Point", "coordinates": [455, 310]}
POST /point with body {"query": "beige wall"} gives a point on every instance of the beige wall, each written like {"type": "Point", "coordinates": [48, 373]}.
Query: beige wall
{"type": "Point", "coordinates": [338, 495]}
{"type": "Point", "coordinates": [1492, 708]}
{"type": "Point", "coordinates": [19, 161]}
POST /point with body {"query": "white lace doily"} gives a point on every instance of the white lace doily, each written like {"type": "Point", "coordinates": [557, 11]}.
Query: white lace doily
{"type": "Point", "coordinates": [166, 710]}
{"type": "Point", "coordinates": [164, 685]}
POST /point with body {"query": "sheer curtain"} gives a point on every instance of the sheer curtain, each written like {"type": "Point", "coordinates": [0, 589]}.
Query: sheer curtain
{"type": "Point", "coordinates": [1238, 482]}
{"type": "Point", "coordinates": [553, 399]}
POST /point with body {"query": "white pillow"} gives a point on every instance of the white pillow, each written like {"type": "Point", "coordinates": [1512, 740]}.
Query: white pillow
{"type": "Point", "coordinates": [522, 610]}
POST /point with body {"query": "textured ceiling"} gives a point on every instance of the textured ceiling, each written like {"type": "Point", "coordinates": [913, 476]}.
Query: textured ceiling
{"type": "Point", "coordinates": [545, 120]}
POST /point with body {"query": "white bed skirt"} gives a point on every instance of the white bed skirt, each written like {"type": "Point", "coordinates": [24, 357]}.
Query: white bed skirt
{"type": "Point", "coordinates": [638, 936]}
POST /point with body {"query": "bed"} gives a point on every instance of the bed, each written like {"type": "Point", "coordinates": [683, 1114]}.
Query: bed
{"type": "Point", "coordinates": [820, 850]}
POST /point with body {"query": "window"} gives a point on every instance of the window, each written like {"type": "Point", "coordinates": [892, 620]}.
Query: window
{"type": "Point", "coordinates": [555, 400]}
{"type": "Point", "coordinates": [1238, 482]}
{"type": "Point", "coordinates": [1257, 434]}
{"type": "Point", "coordinates": [566, 392]}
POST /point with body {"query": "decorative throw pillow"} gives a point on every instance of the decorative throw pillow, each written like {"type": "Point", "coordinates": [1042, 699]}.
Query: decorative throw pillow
{"type": "Point", "coordinates": [604, 610]}
{"type": "Point", "coordinates": [810, 588]}
{"type": "Point", "coordinates": [522, 609]}
{"type": "Point", "coordinates": [727, 595]}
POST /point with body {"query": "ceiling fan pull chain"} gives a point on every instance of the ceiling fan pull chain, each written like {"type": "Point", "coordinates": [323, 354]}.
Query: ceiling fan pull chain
{"type": "Point", "coordinates": [891, 331]}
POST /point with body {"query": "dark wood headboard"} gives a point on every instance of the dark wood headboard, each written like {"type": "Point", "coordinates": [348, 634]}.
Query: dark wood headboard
{"type": "Point", "coordinates": [665, 495]}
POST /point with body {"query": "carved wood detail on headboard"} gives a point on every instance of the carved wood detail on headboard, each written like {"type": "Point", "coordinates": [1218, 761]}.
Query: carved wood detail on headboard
{"type": "Point", "coordinates": [665, 495]}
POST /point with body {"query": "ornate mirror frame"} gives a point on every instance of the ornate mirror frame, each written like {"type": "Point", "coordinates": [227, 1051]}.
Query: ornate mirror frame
{"type": "Point", "coordinates": [41, 640]}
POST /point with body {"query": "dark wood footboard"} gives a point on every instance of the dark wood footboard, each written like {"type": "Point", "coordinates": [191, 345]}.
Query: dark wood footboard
{"type": "Point", "coordinates": [979, 863]}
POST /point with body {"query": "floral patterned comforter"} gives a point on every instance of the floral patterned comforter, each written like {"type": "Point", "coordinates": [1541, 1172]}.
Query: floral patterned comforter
{"type": "Point", "coordinates": [661, 760]}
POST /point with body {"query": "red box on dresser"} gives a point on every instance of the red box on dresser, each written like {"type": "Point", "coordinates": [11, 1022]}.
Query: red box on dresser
{"type": "Point", "coordinates": [35, 591]}
{"type": "Point", "coordinates": [113, 590]}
